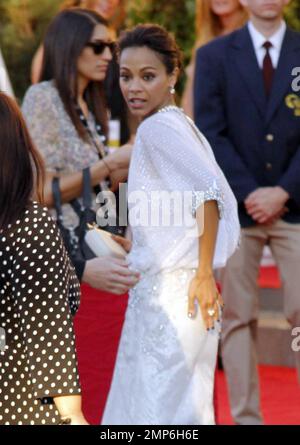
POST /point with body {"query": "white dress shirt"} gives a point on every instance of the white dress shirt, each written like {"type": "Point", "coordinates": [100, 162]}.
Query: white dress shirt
{"type": "Point", "coordinates": [259, 39]}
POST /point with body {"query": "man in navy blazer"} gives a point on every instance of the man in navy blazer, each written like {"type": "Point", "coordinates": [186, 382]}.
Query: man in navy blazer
{"type": "Point", "coordinates": [247, 104]}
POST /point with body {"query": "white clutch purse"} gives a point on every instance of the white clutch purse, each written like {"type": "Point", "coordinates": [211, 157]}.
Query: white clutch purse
{"type": "Point", "coordinates": [102, 244]}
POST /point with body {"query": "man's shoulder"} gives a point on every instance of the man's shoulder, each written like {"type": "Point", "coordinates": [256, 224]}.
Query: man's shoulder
{"type": "Point", "coordinates": [293, 35]}
{"type": "Point", "coordinates": [293, 32]}
{"type": "Point", "coordinates": [219, 45]}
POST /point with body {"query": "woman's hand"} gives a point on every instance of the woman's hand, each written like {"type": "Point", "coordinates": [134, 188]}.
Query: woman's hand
{"type": "Point", "coordinates": [124, 242]}
{"type": "Point", "coordinates": [203, 290]}
{"type": "Point", "coordinates": [74, 419]}
{"type": "Point", "coordinates": [110, 275]}
{"type": "Point", "coordinates": [78, 419]}
{"type": "Point", "coordinates": [69, 408]}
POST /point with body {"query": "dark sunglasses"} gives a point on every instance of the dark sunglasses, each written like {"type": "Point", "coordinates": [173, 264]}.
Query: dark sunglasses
{"type": "Point", "coordinates": [99, 46]}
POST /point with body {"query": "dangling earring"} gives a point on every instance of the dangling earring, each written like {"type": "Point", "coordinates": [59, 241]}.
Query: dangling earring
{"type": "Point", "coordinates": [172, 90]}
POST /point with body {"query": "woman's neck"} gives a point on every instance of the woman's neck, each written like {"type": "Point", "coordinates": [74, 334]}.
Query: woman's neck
{"type": "Point", "coordinates": [231, 21]}
{"type": "Point", "coordinates": [170, 101]}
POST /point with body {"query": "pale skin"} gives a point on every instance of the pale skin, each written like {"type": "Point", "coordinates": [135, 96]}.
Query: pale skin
{"type": "Point", "coordinates": [266, 204]}
{"type": "Point", "coordinates": [69, 407]}
{"type": "Point", "coordinates": [106, 8]}
{"type": "Point", "coordinates": [146, 85]}
{"type": "Point", "coordinates": [108, 274]}
{"type": "Point", "coordinates": [228, 13]}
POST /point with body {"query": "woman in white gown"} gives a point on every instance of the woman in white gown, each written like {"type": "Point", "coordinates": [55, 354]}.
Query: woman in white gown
{"type": "Point", "coordinates": [165, 366]}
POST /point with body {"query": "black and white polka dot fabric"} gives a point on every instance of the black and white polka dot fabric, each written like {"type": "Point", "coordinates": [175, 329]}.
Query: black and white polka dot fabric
{"type": "Point", "coordinates": [39, 293]}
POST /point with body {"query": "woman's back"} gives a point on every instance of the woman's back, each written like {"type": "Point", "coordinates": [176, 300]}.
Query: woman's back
{"type": "Point", "coordinates": [39, 293]}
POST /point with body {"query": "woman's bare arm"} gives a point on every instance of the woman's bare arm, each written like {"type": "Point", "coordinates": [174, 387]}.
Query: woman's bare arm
{"type": "Point", "coordinates": [69, 407]}
{"type": "Point", "coordinates": [71, 184]}
{"type": "Point", "coordinates": [203, 290]}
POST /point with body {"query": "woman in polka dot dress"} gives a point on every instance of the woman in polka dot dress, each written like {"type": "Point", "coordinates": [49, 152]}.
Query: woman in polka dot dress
{"type": "Point", "coordinates": [39, 293]}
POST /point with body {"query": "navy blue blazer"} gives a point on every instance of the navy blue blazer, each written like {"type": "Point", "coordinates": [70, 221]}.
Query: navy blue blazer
{"type": "Point", "coordinates": [256, 141]}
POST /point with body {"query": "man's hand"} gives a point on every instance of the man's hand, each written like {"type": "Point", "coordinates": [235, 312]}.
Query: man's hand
{"type": "Point", "coordinates": [110, 275]}
{"type": "Point", "coordinates": [266, 204]}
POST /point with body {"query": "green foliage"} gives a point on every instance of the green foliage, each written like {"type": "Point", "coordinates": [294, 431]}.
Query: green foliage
{"type": "Point", "coordinates": [177, 16]}
{"type": "Point", "coordinates": [293, 14]}
{"type": "Point", "coordinates": [23, 23]}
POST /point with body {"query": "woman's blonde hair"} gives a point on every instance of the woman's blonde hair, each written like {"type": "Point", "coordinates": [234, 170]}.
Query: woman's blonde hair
{"type": "Point", "coordinates": [208, 25]}
{"type": "Point", "coordinates": [116, 22]}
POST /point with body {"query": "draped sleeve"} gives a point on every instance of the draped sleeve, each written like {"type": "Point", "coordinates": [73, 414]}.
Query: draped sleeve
{"type": "Point", "coordinates": [173, 155]}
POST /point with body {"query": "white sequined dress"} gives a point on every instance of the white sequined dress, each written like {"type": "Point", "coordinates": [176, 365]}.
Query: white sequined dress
{"type": "Point", "coordinates": [164, 372]}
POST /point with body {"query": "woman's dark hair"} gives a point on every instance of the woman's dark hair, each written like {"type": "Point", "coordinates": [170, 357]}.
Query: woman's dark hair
{"type": "Point", "coordinates": [157, 39]}
{"type": "Point", "coordinates": [65, 39]}
{"type": "Point", "coordinates": [21, 166]}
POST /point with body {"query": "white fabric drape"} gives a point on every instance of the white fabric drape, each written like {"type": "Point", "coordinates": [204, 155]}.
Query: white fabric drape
{"type": "Point", "coordinates": [5, 84]}
{"type": "Point", "coordinates": [171, 155]}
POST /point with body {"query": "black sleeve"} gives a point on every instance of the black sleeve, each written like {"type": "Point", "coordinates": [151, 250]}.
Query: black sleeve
{"type": "Point", "coordinates": [46, 292]}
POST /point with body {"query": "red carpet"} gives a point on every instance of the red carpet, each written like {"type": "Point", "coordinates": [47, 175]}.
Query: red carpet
{"type": "Point", "coordinates": [280, 396]}
{"type": "Point", "coordinates": [98, 325]}
{"type": "Point", "coordinates": [269, 277]}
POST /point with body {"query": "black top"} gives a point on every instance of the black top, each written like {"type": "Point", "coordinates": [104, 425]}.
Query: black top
{"type": "Point", "coordinates": [39, 292]}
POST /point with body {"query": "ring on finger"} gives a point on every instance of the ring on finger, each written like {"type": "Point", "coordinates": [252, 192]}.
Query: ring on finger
{"type": "Point", "coordinates": [211, 312]}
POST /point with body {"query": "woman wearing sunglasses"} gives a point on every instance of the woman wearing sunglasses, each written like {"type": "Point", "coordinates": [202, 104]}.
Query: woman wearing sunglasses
{"type": "Point", "coordinates": [114, 11]}
{"type": "Point", "coordinates": [67, 119]}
